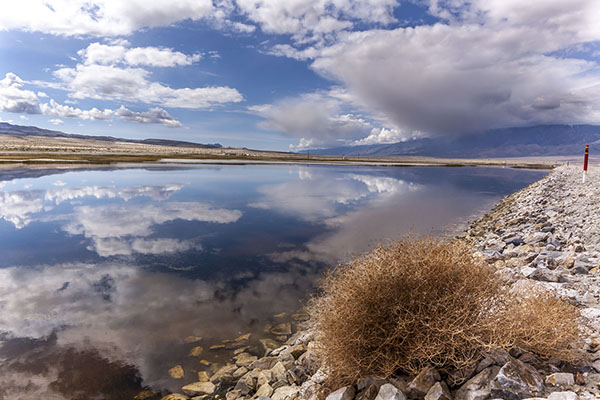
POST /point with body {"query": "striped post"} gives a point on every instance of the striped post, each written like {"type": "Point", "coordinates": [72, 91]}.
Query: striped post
{"type": "Point", "coordinates": [585, 162]}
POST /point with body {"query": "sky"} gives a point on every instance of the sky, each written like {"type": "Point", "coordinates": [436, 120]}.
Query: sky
{"type": "Point", "coordinates": [298, 74]}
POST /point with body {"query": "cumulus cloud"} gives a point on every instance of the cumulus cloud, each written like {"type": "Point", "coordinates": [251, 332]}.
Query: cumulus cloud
{"type": "Point", "coordinates": [316, 20]}
{"type": "Point", "coordinates": [326, 118]}
{"type": "Point", "coordinates": [101, 17]}
{"type": "Point", "coordinates": [15, 99]}
{"type": "Point", "coordinates": [303, 19]}
{"type": "Point", "coordinates": [382, 135]}
{"type": "Point", "coordinates": [109, 82]}
{"type": "Point", "coordinates": [488, 64]}
{"type": "Point", "coordinates": [155, 115]}
{"type": "Point", "coordinates": [107, 54]}
{"type": "Point", "coordinates": [59, 110]}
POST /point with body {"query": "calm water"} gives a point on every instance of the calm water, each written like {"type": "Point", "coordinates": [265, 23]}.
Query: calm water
{"type": "Point", "coordinates": [104, 273]}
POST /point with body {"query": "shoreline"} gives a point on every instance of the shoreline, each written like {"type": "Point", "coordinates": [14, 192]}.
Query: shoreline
{"type": "Point", "coordinates": [535, 236]}
{"type": "Point", "coordinates": [85, 160]}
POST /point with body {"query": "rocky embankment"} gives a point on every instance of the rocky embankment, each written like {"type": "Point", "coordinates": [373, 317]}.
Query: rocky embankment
{"type": "Point", "coordinates": [547, 234]}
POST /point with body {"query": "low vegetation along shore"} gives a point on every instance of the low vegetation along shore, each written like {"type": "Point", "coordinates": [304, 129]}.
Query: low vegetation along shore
{"type": "Point", "coordinates": [510, 310]}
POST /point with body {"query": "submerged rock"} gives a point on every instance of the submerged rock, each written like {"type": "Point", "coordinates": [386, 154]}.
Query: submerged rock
{"type": "Point", "coordinates": [176, 372]}
{"type": "Point", "coordinates": [282, 329]}
{"type": "Point", "coordinates": [196, 351]}
{"type": "Point", "coordinates": [175, 396]}
{"type": "Point", "coordinates": [199, 388]}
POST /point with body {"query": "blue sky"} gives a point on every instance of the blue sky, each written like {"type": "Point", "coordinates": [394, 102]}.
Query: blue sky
{"type": "Point", "coordinates": [295, 74]}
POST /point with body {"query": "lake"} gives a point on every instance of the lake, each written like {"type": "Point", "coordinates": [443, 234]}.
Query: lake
{"type": "Point", "coordinates": [110, 277]}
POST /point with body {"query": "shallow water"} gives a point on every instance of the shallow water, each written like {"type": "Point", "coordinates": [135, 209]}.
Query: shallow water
{"type": "Point", "coordinates": [104, 273]}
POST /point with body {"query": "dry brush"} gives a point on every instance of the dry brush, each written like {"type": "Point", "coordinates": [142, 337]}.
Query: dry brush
{"type": "Point", "coordinates": [427, 302]}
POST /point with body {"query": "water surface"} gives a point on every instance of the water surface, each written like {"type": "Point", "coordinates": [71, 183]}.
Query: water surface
{"type": "Point", "coordinates": [104, 273]}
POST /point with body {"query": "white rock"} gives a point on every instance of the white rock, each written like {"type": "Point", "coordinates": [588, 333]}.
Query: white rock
{"type": "Point", "coordinates": [389, 392]}
{"type": "Point", "coordinates": [563, 396]}
{"type": "Point", "coordinates": [264, 391]}
{"type": "Point", "coordinates": [345, 393]}
{"type": "Point", "coordinates": [285, 393]}
{"type": "Point", "coordinates": [560, 379]}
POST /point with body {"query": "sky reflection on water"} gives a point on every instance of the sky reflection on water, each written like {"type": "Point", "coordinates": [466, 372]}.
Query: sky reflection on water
{"type": "Point", "coordinates": [112, 269]}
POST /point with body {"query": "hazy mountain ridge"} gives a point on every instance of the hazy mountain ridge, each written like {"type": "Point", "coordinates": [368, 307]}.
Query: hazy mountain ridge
{"type": "Point", "coordinates": [545, 140]}
{"type": "Point", "coordinates": [19, 130]}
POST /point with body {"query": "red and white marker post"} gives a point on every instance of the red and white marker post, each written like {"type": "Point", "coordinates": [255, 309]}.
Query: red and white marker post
{"type": "Point", "coordinates": [585, 161]}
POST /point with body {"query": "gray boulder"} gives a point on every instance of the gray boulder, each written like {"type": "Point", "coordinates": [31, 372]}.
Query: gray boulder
{"type": "Point", "coordinates": [390, 392]}
{"type": "Point", "coordinates": [516, 380]}
{"type": "Point", "coordinates": [439, 391]}
{"type": "Point", "coordinates": [478, 387]}
{"type": "Point", "coordinates": [419, 386]}
{"type": "Point", "coordinates": [345, 393]}
{"type": "Point", "coordinates": [562, 379]}
{"type": "Point", "coordinates": [563, 396]}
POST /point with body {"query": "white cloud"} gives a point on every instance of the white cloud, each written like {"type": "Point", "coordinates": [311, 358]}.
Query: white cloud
{"type": "Point", "coordinates": [108, 82]}
{"type": "Point", "coordinates": [97, 53]}
{"type": "Point", "coordinates": [315, 20]}
{"type": "Point", "coordinates": [303, 19]}
{"type": "Point", "coordinates": [489, 64]}
{"type": "Point", "coordinates": [242, 28]}
{"type": "Point", "coordinates": [15, 99]}
{"type": "Point", "coordinates": [313, 115]}
{"type": "Point", "coordinates": [153, 116]}
{"type": "Point", "coordinates": [323, 119]}
{"type": "Point", "coordinates": [383, 135]}
{"type": "Point", "coordinates": [59, 110]}
{"type": "Point", "coordinates": [101, 17]}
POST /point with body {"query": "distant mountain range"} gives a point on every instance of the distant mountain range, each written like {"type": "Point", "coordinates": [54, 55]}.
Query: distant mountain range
{"type": "Point", "coordinates": [18, 130]}
{"type": "Point", "coordinates": [546, 140]}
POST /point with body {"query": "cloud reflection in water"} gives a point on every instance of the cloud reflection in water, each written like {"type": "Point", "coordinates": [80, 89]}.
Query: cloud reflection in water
{"type": "Point", "coordinates": [269, 241]}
